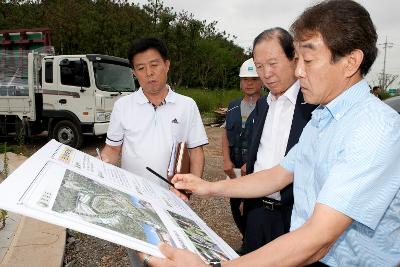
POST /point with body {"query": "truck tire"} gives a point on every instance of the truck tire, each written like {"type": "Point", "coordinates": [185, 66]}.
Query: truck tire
{"type": "Point", "coordinates": [68, 133]}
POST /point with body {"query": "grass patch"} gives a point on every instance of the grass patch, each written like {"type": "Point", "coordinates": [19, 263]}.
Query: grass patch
{"type": "Point", "coordinates": [209, 100]}
{"type": "Point", "coordinates": [3, 217]}
{"type": "Point", "coordinates": [385, 95]}
{"type": "Point", "coordinates": [5, 147]}
{"type": "Point", "coordinates": [3, 213]}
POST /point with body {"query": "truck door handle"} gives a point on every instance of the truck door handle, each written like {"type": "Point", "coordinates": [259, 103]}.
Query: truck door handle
{"type": "Point", "coordinates": [62, 101]}
{"type": "Point", "coordinates": [114, 94]}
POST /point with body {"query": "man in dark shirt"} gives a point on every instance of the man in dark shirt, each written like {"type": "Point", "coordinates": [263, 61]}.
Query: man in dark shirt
{"type": "Point", "coordinates": [238, 130]}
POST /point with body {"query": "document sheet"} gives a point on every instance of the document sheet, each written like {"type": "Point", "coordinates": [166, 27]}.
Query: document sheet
{"type": "Point", "coordinates": [66, 187]}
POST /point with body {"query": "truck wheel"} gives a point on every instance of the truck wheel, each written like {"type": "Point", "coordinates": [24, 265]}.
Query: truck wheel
{"type": "Point", "coordinates": [67, 133]}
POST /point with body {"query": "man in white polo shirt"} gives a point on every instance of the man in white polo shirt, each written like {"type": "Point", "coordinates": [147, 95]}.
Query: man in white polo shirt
{"type": "Point", "coordinates": [146, 125]}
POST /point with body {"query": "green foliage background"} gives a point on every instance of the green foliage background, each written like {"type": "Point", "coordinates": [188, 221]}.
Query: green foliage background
{"type": "Point", "coordinates": [201, 56]}
{"type": "Point", "coordinates": [207, 101]}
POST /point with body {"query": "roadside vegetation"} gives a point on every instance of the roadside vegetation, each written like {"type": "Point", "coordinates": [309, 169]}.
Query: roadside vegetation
{"type": "Point", "coordinates": [385, 95]}
{"type": "Point", "coordinates": [210, 100]}
{"type": "Point", "coordinates": [18, 148]}
{"type": "Point", "coordinates": [4, 174]}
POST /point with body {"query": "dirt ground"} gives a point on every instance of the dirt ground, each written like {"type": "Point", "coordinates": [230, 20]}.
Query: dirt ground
{"type": "Point", "coordinates": [84, 250]}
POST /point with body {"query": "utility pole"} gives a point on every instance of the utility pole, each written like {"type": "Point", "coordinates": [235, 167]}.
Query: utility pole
{"type": "Point", "coordinates": [386, 45]}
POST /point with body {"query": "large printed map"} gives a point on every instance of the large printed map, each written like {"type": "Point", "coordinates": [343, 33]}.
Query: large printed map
{"type": "Point", "coordinates": [66, 187]}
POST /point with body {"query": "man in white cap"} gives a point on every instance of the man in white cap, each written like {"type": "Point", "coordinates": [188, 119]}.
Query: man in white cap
{"type": "Point", "coordinates": [238, 130]}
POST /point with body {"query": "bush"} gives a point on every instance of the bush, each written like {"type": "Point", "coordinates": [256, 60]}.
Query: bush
{"type": "Point", "coordinates": [4, 147]}
{"type": "Point", "coordinates": [384, 95]}
{"type": "Point", "coordinates": [210, 100]}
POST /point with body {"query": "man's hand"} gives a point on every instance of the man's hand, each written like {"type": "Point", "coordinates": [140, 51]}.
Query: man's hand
{"type": "Point", "coordinates": [140, 255]}
{"type": "Point", "coordinates": [176, 257]}
{"type": "Point", "coordinates": [193, 184]}
{"type": "Point", "coordinates": [228, 168]}
{"type": "Point", "coordinates": [184, 196]}
{"type": "Point", "coordinates": [228, 165]}
{"type": "Point", "coordinates": [111, 154]}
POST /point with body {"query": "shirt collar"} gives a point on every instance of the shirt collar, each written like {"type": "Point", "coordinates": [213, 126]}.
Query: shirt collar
{"type": "Point", "coordinates": [290, 94]}
{"type": "Point", "coordinates": [348, 98]}
{"type": "Point", "coordinates": [171, 96]}
{"type": "Point", "coordinates": [142, 99]}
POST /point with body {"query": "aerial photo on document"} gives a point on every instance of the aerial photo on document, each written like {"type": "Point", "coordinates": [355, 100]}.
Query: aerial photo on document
{"type": "Point", "coordinates": [93, 202]}
{"type": "Point", "coordinates": [207, 248]}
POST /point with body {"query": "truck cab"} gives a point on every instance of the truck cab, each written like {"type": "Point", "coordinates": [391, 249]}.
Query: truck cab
{"type": "Point", "coordinates": [69, 96]}
{"type": "Point", "coordinates": [79, 93]}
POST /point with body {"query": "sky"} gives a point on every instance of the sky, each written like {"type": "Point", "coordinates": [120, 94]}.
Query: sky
{"type": "Point", "coordinates": [247, 18]}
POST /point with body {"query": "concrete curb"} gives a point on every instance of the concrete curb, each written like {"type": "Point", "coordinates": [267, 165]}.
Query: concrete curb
{"type": "Point", "coordinates": [36, 244]}
{"type": "Point", "coordinates": [8, 233]}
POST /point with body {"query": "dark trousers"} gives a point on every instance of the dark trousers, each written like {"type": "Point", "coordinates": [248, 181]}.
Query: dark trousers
{"type": "Point", "coordinates": [237, 217]}
{"type": "Point", "coordinates": [264, 225]}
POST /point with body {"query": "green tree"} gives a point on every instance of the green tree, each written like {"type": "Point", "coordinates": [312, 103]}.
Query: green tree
{"type": "Point", "coordinates": [201, 56]}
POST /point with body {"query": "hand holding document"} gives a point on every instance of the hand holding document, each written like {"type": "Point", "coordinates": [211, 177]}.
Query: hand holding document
{"type": "Point", "coordinates": [186, 258]}
{"type": "Point", "coordinates": [192, 183]}
{"type": "Point", "coordinates": [66, 187]}
{"type": "Point", "coordinates": [187, 195]}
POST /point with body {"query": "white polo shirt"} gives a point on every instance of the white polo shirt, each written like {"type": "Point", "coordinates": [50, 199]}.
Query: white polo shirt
{"type": "Point", "coordinates": [148, 134]}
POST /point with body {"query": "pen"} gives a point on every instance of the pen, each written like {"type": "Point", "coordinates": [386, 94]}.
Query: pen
{"type": "Point", "coordinates": [98, 153]}
{"type": "Point", "coordinates": [167, 181]}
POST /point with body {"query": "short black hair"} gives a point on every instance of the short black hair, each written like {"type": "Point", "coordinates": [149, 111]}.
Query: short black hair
{"type": "Point", "coordinates": [283, 36]}
{"type": "Point", "coordinates": [344, 25]}
{"type": "Point", "coordinates": [144, 44]}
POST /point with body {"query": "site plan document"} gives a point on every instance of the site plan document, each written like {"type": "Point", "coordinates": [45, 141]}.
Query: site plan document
{"type": "Point", "coordinates": [64, 186]}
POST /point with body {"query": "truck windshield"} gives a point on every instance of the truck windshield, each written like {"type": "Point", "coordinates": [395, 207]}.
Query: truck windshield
{"type": "Point", "coordinates": [113, 77]}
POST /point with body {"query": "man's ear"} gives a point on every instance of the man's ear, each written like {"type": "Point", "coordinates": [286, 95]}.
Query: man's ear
{"type": "Point", "coordinates": [353, 62]}
{"type": "Point", "coordinates": [168, 63]}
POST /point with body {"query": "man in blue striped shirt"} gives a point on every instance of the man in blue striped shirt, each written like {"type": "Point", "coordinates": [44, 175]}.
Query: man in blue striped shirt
{"type": "Point", "coordinates": [345, 169]}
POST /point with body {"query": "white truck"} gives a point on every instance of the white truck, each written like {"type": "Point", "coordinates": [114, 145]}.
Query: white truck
{"type": "Point", "coordinates": [68, 96]}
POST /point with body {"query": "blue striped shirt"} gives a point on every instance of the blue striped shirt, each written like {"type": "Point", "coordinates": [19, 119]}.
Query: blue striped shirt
{"type": "Point", "coordinates": [348, 159]}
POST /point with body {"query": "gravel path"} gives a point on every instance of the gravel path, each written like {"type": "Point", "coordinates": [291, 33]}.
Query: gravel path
{"type": "Point", "coordinates": [83, 250]}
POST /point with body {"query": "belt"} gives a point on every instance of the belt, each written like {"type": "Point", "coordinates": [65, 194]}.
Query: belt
{"type": "Point", "coordinates": [271, 204]}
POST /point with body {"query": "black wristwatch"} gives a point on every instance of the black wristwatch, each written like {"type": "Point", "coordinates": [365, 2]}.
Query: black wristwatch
{"type": "Point", "coordinates": [215, 262]}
